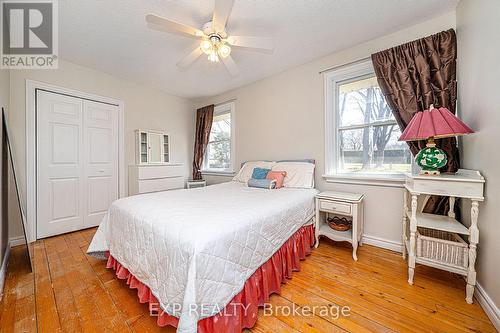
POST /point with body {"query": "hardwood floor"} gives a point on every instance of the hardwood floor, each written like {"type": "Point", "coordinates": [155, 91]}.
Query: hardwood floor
{"type": "Point", "coordinates": [72, 292]}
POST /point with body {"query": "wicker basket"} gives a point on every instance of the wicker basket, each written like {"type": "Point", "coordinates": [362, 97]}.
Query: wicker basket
{"type": "Point", "coordinates": [442, 247]}
{"type": "Point", "coordinates": [339, 223]}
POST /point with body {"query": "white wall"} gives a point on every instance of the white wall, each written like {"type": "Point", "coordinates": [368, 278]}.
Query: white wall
{"type": "Point", "coordinates": [282, 117]}
{"type": "Point", "coordinates": [145, 108]}
{"type": "Point", "coordinates": [478, 25]}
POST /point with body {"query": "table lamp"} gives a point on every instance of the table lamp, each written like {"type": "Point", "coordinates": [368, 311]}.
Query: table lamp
{"type": "Point", "coordinates": [429, 125]}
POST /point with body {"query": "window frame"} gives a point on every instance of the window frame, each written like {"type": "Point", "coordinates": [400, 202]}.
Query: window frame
{"type": "Point", "coordinates": [332, 80]}
{"type": "Point", "coordinates": [228, 107]}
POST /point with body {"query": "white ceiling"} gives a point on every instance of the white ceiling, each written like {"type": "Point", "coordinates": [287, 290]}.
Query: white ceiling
{"type": "Point", "coordinates": [112, 36]}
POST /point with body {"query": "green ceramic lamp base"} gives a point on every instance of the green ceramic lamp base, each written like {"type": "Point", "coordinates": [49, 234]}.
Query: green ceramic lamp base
{"type": "Point", "coordinates": [431, 159]}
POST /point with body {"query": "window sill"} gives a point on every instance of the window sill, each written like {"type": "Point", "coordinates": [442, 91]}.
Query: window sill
{"type": "Point", "coordinates": [218, 173]}
{"type": "Point", "coordinates": [385, 181]}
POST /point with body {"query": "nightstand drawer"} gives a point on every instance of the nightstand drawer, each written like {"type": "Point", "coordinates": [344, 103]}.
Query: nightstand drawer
{"type": "Point", "coordinates": [335, 207]}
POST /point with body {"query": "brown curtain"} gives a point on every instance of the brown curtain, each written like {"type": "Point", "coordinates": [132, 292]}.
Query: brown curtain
{"type": "Point", "coordinates": [204, 117]}
{"type": "Point", "coordinates": [415, 75]}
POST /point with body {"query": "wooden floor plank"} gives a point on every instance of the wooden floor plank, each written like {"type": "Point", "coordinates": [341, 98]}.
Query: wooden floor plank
{"type": "Point", "coordinates": [357, 302]}
{"type": "Point", "coordinates": [18, 310]}
{"type": "Point", "coordinates": [415, 318]}
{"type": "Point", "coordinates": [72, 292]}
{"type": "Point", "coordinates": [47, 317]}
{"type": "Point", "coordinates": [300, 322]}
{"type": "Point", "coordinates": [403, 298]}
{"type": "Point", "coordinates": [112, 318]}
{"type": "Point", "coordinates": [66, 307]}
{"type": "Point", "coordinates": [354, 323]}
{"type": "Point", "coordinates": [270, 324]}
{"type": "Point", "coordinates": [448, 289]}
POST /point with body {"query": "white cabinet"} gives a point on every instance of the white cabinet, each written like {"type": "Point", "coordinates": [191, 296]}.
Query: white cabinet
{"type": "Point", "coordinates": [152, 147]}
{"type": "Point", "coordinates": [154, 178]}
{"type": "Point", "coordinates": [153, 171]}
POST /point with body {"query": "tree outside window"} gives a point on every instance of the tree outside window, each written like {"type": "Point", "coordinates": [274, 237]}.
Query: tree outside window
{"type": "Point", "coordinates": [218, 157]}
{"type": "Point", "coordinates": [367, 131]}
{"type": "Point", "coordinates": [219, 145]}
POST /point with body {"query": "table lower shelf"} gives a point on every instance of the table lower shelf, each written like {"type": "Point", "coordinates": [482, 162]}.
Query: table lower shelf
{"type": "Point", "coordinates": [439, 222]}
{"type": "Point", "coordinates": [437, 264]}
{"type": "Point", "coordinates": [339, 236]}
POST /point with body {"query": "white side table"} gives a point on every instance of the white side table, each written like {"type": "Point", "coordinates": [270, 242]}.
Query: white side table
{"type": "Point", "coordinates": [345, 204]}
{"type": "Point", "coordinates": [196, 183]}
{"type": "Point", "coordinates": [466, 184]}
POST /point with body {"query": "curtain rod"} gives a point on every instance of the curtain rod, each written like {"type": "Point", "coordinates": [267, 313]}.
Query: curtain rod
{"type": "Point", "coordinates": [344, 64]}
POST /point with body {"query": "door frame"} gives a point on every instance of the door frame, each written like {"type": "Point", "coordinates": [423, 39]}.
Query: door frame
{"type": "Point", "coordinates": [31, 144]}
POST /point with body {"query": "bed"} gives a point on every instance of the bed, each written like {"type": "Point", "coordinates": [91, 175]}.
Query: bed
{"type": "Point", "coordinates": [195, 251]}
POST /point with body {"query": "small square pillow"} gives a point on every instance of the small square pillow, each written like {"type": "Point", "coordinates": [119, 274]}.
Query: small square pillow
{"type": "Point", "coordinates": [260, 173]}
{"type": "Point", "coordinates": [279, 176]}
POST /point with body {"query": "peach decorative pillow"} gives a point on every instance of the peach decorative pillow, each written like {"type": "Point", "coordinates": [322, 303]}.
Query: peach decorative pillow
{"type": "Point", "coordinates": [279, 176]}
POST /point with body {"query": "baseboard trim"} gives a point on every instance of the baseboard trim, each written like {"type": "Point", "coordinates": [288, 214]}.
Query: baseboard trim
{"type": "Point", "coordinates": [3, 270]}
{"type": "Point", "coordinates": [16, 241]}
{"type": "Point", "coordinates": [488, 305]}
{"type": "Point", "coordinates": [383, 243]}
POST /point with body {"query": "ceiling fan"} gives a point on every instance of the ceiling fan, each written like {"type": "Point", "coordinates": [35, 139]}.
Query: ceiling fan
{"type": "Point", "coordinates": [215, 42]}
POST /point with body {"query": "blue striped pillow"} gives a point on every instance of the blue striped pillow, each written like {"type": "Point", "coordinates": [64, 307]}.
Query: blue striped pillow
{"type": "Point", "coordinates": [262, 183]}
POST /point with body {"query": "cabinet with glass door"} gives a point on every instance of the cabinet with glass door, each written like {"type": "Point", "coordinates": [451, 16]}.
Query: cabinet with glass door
{"type": "Point", "coordinates": [153, 147]}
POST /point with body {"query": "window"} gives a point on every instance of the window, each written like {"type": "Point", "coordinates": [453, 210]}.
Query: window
{"type": "Point", "coordinates": [361, 132]}
{"type": "Point", "coordinates": [219, 156]}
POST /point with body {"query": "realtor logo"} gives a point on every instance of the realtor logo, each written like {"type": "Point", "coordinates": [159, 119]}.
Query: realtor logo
{"type": "Point", "coordinates": [29, 34]}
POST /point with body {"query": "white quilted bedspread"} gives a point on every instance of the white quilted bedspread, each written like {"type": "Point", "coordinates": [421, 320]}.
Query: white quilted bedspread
{"type": "Point", "coordinates": [199, 246]}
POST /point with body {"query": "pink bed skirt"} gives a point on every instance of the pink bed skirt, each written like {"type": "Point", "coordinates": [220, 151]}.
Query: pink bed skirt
{"type": "Point", "coordinates": [266, 280]}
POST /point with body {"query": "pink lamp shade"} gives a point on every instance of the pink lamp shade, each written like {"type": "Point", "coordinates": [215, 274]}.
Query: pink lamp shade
{"type": "Point", "coordinates": [434, 123]}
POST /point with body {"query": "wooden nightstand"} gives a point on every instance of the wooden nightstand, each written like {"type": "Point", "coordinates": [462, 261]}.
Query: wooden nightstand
{"type": "Point", "coordinates": [344, 204]}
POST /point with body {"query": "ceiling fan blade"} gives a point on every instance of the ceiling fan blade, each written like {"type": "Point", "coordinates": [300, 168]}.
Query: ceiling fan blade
{"type": "Point", "coordinates": [190, 58]}
{"type": "Point", "coordinates": [231, 65]}
{"type": "Point", "coordinates": [256, 43]}
{"type": "Point", "coordinates": [162, 24]}
{"type": "Point", "coordinates": [222, 11]}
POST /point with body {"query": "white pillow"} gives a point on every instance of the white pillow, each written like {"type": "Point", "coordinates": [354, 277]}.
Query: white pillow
{"type": "Point", "coordinates": [298, 174]}
{"type": "Point", "coordinates": [246, 170]}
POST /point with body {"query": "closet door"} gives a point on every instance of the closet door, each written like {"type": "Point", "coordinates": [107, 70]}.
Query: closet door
{"type": "Point", "coordinates": [60, 166]}
{"type": "Point", "coordinates": [77, 162]}
{"type": "Point", "coordinates": [101, 159]}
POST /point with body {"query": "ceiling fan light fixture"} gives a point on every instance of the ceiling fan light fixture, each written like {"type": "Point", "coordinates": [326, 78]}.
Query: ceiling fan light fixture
{"type": "Point", "coordinates": [224, 50]}
{"type": "Point", "coordinates": [206, 46]}
{"type": "Point", "coordinates": [215, 48]}
{"type": "Point", "coordinates": [213, 57]}
{"type": "Point", "coordinates": [213, 39]}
